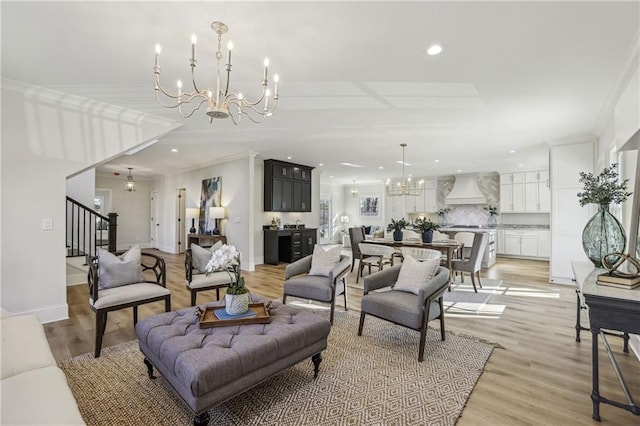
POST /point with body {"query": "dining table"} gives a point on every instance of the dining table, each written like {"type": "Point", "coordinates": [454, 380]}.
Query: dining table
{"type": "Point", "coordinates": [447, 247]}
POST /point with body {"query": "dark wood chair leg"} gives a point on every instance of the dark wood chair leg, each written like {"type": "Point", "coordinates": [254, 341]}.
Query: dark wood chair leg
{"type": "Point", "coordinates": [353, 263]}
{"type": "Point", "coordinates": [193, 297]}
{"type": "Point", "coordinates": [361, 323]}
{"type": "Point", "coordinates": [284, 299]}
{"type": "Point", "coordinates": [440, 302]}
{"type": "Point", "coordinates": [344, 284]}
{"type": "Point", "coordinates": [167, 304]}
{"type": "Point", "coordinates": [135, 315]}
{"type": "Point", "coordinates": [333, 309]}
{"type": "Point", "coordinates": [479, 282]}
{"type": "Point", "coordinates": [217, 294]}
{"type": "Point", "coordinates": [101, 322]}
{"type": "Point", "coordinates": [423, 339]}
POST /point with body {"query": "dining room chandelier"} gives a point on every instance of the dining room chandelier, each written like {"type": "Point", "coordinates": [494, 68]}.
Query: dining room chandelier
{"type": "Point", "coordinates": [354, 190]}
{"type": "Point", "coordinates": [130, 184]}
{"type": "Point", "coordinates": [404, 186]}
{"type": "Point", "coordinates": [220, 101]}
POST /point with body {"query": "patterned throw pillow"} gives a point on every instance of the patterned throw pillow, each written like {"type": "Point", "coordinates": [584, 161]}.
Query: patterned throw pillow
{"type": "Point", "coordinates": [324, 260]}
{"type": "Point", "coordinates": [116, 271]}
{"type": "Point", "coordinates": [201, 255]}
{"type": "Point", "coordinates": [414, 274]}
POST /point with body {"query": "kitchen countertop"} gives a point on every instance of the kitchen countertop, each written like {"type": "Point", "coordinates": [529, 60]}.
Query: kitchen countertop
{"type": "Point", "coordinates": [494, 228]}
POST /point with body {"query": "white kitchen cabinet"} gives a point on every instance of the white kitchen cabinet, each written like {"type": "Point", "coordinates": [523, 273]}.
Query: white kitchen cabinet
{"type": "Point", "coordinates": [394, 207]}
{"type": "Point", "coordinates": [430, 196]}
{"type": "Point", "coordinates": [500, 249]}
{"type": "Point", "coordinates": [544, 244]}
{"type": "Point", "coordinates": [521, 243]}
{"type": "Point", "coordinates": [525, 192]}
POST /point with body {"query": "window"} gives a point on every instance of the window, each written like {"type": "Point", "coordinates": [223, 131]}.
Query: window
{"type": "Point", "coordinates": [325, 217]}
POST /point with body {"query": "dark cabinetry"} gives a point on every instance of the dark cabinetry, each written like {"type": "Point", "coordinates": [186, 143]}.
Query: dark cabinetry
{"type": "Point", "coordinates": [287, 187]}
{"type": "Point", "coordinates": [288, 245]}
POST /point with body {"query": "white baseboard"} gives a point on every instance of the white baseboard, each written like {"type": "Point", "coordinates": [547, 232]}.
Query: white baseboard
{"type": "Point", "coordinates": [48, 313]}
{"type": "Point", "coordinates": [128, 246]}
{"type": "Point", "coordinates": [258, 260]}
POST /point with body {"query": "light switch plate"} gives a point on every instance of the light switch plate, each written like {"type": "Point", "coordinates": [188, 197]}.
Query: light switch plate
{"type": "Point", "coordinates": [47, 224]}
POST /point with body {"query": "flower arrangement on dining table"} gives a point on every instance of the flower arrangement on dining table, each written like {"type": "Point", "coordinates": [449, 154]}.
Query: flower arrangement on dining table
{"type": "Point", "coordinates": [227, 258]}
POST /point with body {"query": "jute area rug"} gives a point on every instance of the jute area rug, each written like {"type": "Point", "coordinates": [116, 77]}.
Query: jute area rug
{"type": "Point", "coordinates": [373, 379]}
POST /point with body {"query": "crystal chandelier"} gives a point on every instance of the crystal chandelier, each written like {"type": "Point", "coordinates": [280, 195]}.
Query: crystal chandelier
{"type": "Point", "coordinates": [130, 184]}
{"type": "Point", "coordinates": [403, 187]}
{"type": "Point", "coordinates": [221, 103]}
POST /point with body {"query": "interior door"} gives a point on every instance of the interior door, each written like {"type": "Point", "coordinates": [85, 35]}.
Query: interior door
{"type": "Point", "coordinates": [181, 214]}
{"type": "Point", "coordinates": [154, 222]}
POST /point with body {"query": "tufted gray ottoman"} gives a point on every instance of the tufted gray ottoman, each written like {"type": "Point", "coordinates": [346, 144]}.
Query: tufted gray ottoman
{"type": "Point", "coordinates": [208, 366]}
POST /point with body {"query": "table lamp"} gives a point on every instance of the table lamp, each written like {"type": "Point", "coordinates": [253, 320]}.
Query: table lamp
{"type": "Point", "coordinates": [216, 213]}
{"type": "Point", "coordinates": [193, 213]}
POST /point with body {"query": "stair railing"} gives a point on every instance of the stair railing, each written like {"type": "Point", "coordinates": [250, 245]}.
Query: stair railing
{"type": "Point", "coordinates": [87, 230]}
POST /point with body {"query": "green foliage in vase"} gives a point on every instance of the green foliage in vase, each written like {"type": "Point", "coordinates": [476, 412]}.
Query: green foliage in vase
{"type": "Point", "coordinates": [423, 225]}
{"type": "Point", "coordinates": [604, 188]}
{"type": "Point", "coordinates": [397, 225]}
{"type": "Point", "coordinates": [493, 210]}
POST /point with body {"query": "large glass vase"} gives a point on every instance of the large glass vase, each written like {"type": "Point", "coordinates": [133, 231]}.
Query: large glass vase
{"type": "Point", "coordinates": [603, 235]}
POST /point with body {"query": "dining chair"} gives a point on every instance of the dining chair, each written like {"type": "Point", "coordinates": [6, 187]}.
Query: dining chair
{"type": "Point", "coordinates": [465, 238]}
{"type": "Point", "coordinates": [356, 236]}
{"type": "Point", "coordinates": [374, 255]}
{"type": "Point", "coordinates": [473, 264]}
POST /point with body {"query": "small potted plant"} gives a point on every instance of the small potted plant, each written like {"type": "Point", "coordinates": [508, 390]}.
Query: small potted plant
{"type": "Point", "coordinates": [227, 258]}
{"type": "Point", "coordinates": [397, 226]}
{"type": "Point", "coordinates": [442, 215]}
{"type": "Point", "coordinates": [425, 227]}
{"type": "Point", "coordinates": [493, 212]}
{"type": "Point", "coordinates": [603, 234]}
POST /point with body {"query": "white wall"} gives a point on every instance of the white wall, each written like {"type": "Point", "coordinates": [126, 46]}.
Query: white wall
{"type": "Point", "coordinates": [48, 136]}
{"type": "Point", "coordinates": [352, 205]}
{"type": "Point", "coordinates": [133, 210]}
{"type": "Point", "coordinates": [81, 187]}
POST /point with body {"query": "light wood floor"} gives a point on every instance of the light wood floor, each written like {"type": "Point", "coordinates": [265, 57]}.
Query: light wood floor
{"type": "Point", "coordinates": [540, 376]}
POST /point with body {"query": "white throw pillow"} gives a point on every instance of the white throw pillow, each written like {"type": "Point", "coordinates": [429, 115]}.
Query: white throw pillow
{"type": "Point", "coordinates": [201, 256]}
{"type": "Point", "coordinates": [414, 274]}
{"type": "Point", "coordinates": [324, 260]}
{"type": "Point", "coordinates": [116, 271]}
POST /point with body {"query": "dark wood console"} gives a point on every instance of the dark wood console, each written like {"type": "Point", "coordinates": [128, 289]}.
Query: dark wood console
{"type": "Point", "coordinates": [288, 245]}
{"type": "Point", "coordinates": [205, 240]}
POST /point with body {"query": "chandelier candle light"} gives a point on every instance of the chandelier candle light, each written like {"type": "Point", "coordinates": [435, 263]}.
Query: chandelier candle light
{"type": "Point", "coordinates": [403, 187]}
{"type": "Point", "coordinates": [221, 103]}
{"type": "Point", "coordinates": [130, 184]}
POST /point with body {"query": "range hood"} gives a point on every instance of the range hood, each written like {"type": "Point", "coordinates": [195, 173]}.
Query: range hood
{"type": "Point", "coordinates": [466, 191]}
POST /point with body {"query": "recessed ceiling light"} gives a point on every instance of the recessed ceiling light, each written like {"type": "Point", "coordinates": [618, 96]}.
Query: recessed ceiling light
{"type": "Point", "coordinates": [436, 161]}
{"type": "Point", "coordinates": [459, 171]}
{"type": "Point", "coordinates": [380, 168]}
{"type": "Point", "coordinates": [320, 164]}
{"type": "Point", "coordinates": [405, 163]}
{"type": "Point", "coordinates": [434, 49]}
{"type": "Point", "coordinates": [520, 165]}
{"type": "Point", "coordinates": [351, 165]}
{"type": "Point", "coordinates": [174, 149]}
{"type": "Point", "coordinates": [289, 157]}
{"type": "Point", "coordinates": [331, 177]}
{"type": "Point", "coordinates": [513, 151]}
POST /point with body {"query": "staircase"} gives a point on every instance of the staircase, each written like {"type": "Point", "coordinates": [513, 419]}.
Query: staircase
{"type": "Point", "coordinates": [87, 230]}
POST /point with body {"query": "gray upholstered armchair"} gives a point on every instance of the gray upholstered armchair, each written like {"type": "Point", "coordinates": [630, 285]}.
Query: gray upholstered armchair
{"type": "Point", "coordinates": [404, 308]}
{"type": "Point", "coordinates": [299, 283]}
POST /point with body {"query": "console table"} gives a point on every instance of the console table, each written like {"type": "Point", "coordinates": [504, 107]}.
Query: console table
{"type": "Point", "coordinates": [610, 308]}
{"type": "Point", "coordinates": [205, 240]}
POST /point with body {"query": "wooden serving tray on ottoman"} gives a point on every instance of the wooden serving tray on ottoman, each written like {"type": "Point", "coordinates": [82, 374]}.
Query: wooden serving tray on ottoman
{"type": "Point", "coordinates": [209, 319]}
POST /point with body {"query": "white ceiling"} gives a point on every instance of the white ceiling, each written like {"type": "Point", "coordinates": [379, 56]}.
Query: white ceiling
{"type": "Point", "coordinates": [355, 79]}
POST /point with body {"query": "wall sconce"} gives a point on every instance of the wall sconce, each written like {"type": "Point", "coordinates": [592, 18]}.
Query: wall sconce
{"type": "Point", "coordinates": [216, 213]}
{"type": "Point", "coordinates": [193, 213]}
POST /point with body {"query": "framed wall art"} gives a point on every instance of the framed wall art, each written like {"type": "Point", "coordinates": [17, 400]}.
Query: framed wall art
{"type": "Point", "coordinates": [210, 196]}
{"type": "Point", "coordinates": [369, 206]}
